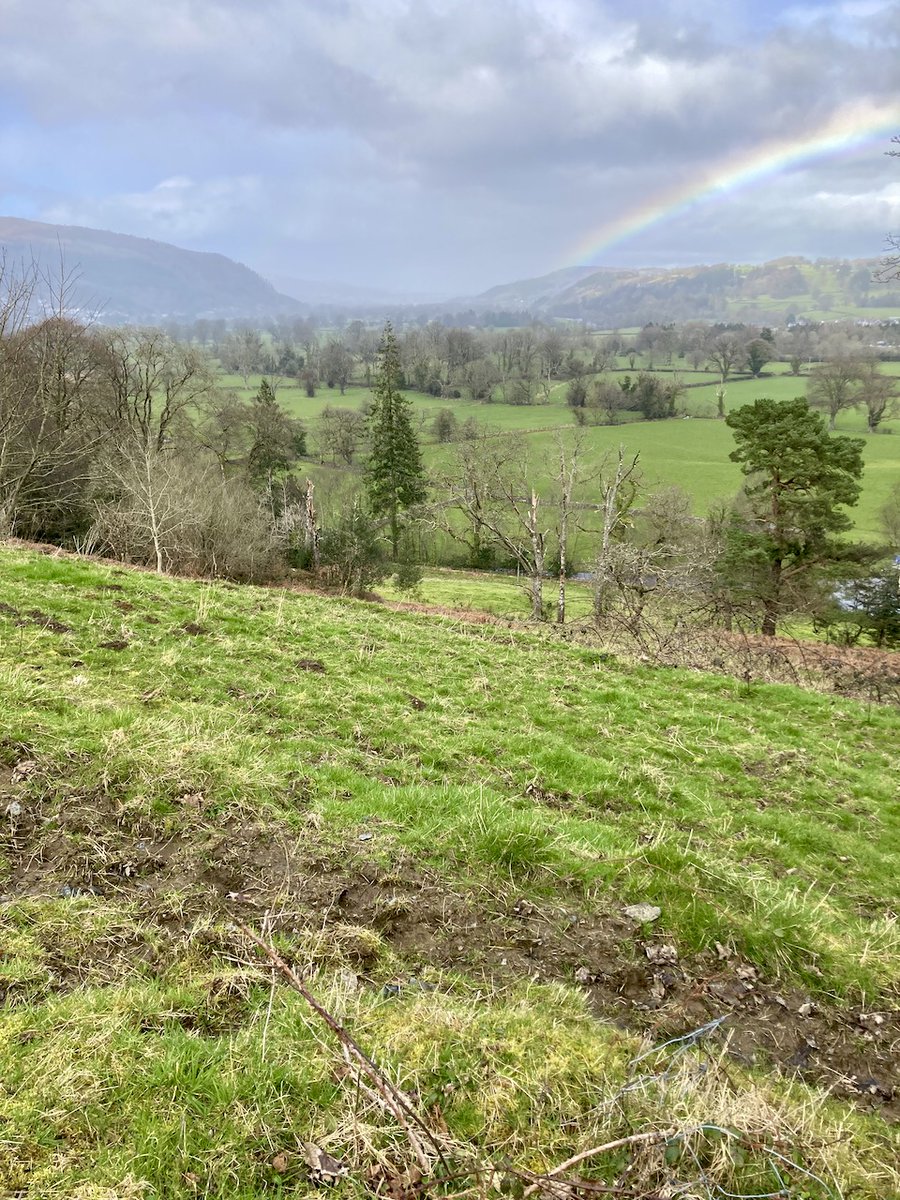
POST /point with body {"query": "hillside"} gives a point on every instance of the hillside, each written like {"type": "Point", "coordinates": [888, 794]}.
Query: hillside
{"type": "Point", "coordinates": [445, 826]}
{"type": "Point", "coordinates": [773, 291]}
{"type": "Point", "coordinates": [124, 278]}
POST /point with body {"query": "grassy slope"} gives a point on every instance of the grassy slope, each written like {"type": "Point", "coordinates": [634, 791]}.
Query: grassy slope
{"type": "Point", "coordinates": [690, 453]}
{"type": "Point", "coordinates": [178, 771]}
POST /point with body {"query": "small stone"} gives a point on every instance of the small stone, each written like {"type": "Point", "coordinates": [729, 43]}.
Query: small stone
{"type": "Point", "coordinates": [583, 975]}
{"type": "Point", "coordinates": [14, 809]}
{"type": "Point", "coordinates": [780, 1001]}
{"type": "Point", "coordinates": [366, 837]}
{"type": "Point", "coordinates": [805, 1009]}
{"type": "Point", "coordinates": [661, 954]}
{"type": "Point", "coordinates": [324, 1168]}
{"type": "Point", "coordinates": [643, 912]}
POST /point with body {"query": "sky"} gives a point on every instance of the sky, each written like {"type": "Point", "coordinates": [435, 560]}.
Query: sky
{"type": "Point", "coordinates": [438, 147]}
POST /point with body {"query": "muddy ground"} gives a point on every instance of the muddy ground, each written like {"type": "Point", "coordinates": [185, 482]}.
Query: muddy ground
{"type": "Point", "coordinates": [191, 888]}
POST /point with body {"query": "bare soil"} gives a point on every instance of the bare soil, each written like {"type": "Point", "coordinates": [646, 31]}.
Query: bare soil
{"type": "Point", "coordinates": [194, 884]}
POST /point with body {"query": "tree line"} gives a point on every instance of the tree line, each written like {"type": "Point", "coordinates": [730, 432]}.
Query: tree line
{"type": "Point", "coordinates": [120, 441]}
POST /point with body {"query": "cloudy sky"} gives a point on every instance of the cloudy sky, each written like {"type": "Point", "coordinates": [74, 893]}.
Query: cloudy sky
{"type": "Point", "coordinates": [441, 146]}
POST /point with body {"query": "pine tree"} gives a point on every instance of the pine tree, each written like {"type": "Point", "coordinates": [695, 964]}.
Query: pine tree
{"type": "Point", "coordinates": [395, 478]}
{"type": "Point", "coordinates": [799, 479]}
{"type": "Point", "coordinates": [277, 440]}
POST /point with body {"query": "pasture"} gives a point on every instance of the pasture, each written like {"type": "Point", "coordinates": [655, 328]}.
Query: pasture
{"type": "Point", "coordinates": [690, 452]}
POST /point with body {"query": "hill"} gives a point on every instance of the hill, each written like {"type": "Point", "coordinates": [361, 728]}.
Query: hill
{"type": "Point", "coordinates": [773, 291]}
{"type": "Point", "coordinates": [444, 827]}
{"type": "Point", "coordinates": [131, 279]}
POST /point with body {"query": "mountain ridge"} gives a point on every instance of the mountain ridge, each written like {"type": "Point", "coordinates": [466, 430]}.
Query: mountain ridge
{"type": "Point", "coordinates": [769, 291]}
{"type": "Point", "coordinates": [121, 277]}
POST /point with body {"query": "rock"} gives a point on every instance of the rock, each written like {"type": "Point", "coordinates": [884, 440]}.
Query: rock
{"type": "Point", "coordinates": [644, 913]}
{"type": "Point", "coordinates": [583, 975]}
{"type": "Point", "coordinates": [323, 1167]}
{"type": "Point", "coordinates": [661, 954]}
{"type": "Point", "coordinates": [14, 809]}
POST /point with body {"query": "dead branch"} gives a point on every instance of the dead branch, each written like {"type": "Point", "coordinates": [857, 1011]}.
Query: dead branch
{"type": "Point", "coordinates": [653, 1135]}
{"type": "Point", "coordinates": [391, 1096]}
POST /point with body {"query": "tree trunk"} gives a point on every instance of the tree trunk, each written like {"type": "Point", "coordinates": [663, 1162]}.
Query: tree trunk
{"type": "Point", "coordinates": [312, 527]}
{"type": "Point", "coordinates": [395, 532]}
{"type": "Point", "coordinates": [537, 559]}
{"type": "Point", "coordinates": [772, 602]}
{"type": "Point", "coordinates": [561, 595]}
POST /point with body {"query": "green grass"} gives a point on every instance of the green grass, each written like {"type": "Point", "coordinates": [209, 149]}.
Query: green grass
{"type": "Point", "coordinates": [144, 1052]}
{"type": "Point", "coordinates": [230, 715]}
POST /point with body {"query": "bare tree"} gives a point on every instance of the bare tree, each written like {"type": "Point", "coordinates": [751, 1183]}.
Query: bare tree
{"type": "Point", "coordinates": [336, 364]}
{"type": "Point", "coordinates": [338, 433]}
{"type": "Point", "coordinates": [50, 388]}
{"type": "Point", "coordinates": [566, 482]}
{"type": "Point", "coordinates": [835, 385]}
{"type": "Point", "coordinates": [177, 514]}
{"type": "Point", "coordinates": [618, 488]}
{"type": "Point", "coordinates": [725, 353]}
{"type": "Point", "coordinates": [492, 486]}
{"type": "Point", "coordinates": [154, 384]}
{"type": "Point", "coordinates": [877, 393]}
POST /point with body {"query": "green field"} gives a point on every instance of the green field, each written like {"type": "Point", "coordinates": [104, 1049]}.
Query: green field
{"type": "Point", "coordinates": [441, 824]}
{"type": "Point", "coordinates": [691, 453]}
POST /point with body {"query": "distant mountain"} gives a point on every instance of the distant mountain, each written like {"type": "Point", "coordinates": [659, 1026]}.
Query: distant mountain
{"type": "Point", "coordinates": [130, 279]}
{"type": "Point", "coordinates": [769, 292]}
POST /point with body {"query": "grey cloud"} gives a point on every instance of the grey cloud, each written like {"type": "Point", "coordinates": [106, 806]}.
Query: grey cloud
{"type": "Point", "coordinates": [402, 135]}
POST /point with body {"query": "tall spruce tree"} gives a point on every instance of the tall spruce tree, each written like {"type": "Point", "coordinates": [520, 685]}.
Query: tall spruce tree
{"type": "Point", "coordinates": [395, 478]}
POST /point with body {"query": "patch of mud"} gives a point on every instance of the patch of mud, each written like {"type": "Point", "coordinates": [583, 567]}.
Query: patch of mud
{"type": "Point", "coordinates": [35, 617]}
{"type": "Point", "coordinates": [191, 885]}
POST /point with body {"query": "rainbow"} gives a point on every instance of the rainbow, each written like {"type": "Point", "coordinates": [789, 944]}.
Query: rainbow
{"type": "Point", "coordinates": [848, 130]}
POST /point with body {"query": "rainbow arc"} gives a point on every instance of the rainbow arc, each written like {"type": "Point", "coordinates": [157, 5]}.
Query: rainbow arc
{"type": "Point", "coordinates": [847, 131]}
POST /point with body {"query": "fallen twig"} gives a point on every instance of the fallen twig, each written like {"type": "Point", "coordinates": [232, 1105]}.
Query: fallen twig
{"type": "Point", "coordinates": [655, 1135]}
{"type": "Point", "coordinates": [391, 1096]}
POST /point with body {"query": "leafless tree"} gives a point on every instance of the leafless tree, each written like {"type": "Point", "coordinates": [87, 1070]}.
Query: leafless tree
{"type": "Point", "coordinates": [154, 384]}
{"type": "Point", "coordinates": [618, 487]}
{"type": "Point", "coordinates": [878, 394]}
{"type": "Point", "coordinates": [566, 481]}
{"type": "Point", "coordinates": [50, 387]}
{"type": "Point", "coordinates": [176, 513]}
{"type": "Point", "coordinates": [338, 433]}
{"type": "Point", "coordinates": [725, 353]}
{"type": "Point", "coordinates": [835, 385]}
{"type": "Point", "coordinates": [492, 485]}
